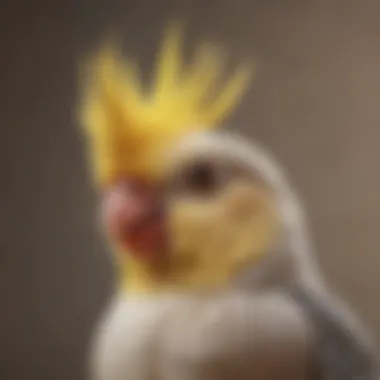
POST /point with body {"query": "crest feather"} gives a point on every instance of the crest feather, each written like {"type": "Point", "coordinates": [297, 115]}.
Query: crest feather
{"type": "Point", "coordinates": [127, 130]}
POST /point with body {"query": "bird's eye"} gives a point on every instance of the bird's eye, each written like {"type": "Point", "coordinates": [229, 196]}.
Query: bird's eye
{"type": "Point", "coordinates": [199, 178]}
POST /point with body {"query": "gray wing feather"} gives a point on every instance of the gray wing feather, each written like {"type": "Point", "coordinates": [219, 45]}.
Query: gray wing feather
{"type": "Point", "coordinates": [340, 352]}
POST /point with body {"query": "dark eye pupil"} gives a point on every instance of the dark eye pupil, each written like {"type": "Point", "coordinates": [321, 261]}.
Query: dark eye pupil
{"type": "Point", "coordinates": [201, 177]}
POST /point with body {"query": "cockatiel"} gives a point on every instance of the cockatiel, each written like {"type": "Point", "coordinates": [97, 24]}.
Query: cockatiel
{"type": "Point", "coordinates": [216, 276]}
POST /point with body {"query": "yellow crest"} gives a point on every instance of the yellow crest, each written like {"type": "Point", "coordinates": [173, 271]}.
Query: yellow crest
{"type": "Point", "coordinates": [128, 128]}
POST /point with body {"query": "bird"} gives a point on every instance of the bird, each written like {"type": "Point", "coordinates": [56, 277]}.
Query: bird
{"type": "Point", "coordinates": [217, 278]}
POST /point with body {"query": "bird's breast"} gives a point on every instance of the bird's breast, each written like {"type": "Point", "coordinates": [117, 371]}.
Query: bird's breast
{"type": "Point", "coordinates": [220, 337]}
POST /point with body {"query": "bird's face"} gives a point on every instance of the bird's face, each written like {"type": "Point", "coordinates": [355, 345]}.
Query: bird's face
{"type": "Point", "coordinates": [210, 215]}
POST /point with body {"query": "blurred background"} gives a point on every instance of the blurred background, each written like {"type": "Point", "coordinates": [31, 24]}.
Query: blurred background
{"type": "Point", "coordinates": [315, 103]}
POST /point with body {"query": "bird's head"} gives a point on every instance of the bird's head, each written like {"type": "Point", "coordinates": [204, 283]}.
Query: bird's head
{"type": "Point", "coordinates": [185, 207]}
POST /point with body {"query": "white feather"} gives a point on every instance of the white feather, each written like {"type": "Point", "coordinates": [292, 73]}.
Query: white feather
{"type": "Point", "coordinates": [177, 337]}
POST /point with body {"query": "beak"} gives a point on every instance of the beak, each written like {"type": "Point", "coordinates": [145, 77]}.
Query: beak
{"type": "Point", "coordinates": [133, 214]}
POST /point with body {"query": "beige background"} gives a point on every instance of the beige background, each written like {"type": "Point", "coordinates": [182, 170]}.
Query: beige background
{"type": "Point", "coordinates": [316, 103]}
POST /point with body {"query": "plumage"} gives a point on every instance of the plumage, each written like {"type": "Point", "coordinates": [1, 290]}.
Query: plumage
{"type": "Point", "coordinates": [230, 335]}
{"type": "Point", "coordinates": [217, 277]}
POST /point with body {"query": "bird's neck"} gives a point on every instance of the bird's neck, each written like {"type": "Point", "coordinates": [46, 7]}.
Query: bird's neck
{"type": "Point", "coordinates": [137, 278]}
